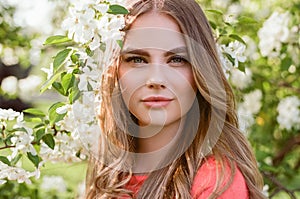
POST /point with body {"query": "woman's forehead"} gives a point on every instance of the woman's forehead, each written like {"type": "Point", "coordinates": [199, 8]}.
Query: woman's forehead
{"type": "Point", "coordinates": [154, 30]}
{"type": "Point", "coordinates": [154, 38]}
{"type": "Point", "coordinates": [155, 19]}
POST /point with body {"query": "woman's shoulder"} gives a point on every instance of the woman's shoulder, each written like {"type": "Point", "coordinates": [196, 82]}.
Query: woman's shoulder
{"type": "Point", "coordinates": [205, 181]}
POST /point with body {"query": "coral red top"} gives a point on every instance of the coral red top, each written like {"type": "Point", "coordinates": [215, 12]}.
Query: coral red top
{"type": "Point", "coordinates": [204, 183]}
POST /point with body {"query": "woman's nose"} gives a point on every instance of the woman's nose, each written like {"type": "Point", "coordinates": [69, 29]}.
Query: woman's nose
{"type": "Point", "coordinates": [156, 84]}
{"type": "Point", "coordinates": [156, 77]}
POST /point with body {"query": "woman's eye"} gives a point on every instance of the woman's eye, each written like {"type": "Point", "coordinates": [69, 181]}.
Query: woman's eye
{"type": "Point", "coordinates": [135, 59]}
{"type": "Point", "coordinates": [178, 59]}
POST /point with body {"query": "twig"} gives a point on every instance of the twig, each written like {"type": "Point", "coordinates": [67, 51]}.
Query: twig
{"type": "Point", "coordinates": [288, 86]}
{"type": "Point", "coordinates": [6, 147]}
{"type": "Point", "coordinates": [55, 130]}
{"type": "Point", "coordinates": [286, 149]}
{"type": "Point", "coordinates": [280, 187]}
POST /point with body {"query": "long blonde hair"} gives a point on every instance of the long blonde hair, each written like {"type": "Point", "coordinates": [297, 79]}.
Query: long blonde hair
{"type": "Point", "coordinates": [216, 123]}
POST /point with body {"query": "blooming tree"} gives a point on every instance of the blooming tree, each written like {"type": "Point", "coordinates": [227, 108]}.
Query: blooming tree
{"type": "Point", "coordinates": [261, 65]}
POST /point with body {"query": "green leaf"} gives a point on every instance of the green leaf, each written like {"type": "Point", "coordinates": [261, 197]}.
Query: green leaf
{"type": "Point", "coordinates": [89, 52]}
{"type": "Point", "coordinates": [61, 58]}
{"type": "Point", "coordinates": [75, 58]}
{"type": "Point", "coordinates": [39, 125]}
{"type": "Point", "coordinates": [16, 159]}
{"type": "Point", "coordinates": [229, 58]}
{"type": "Point", "coordinates": [89, 87]}
{"type": "Point", "coordinates": [34, 120]}
{"type": "Point", "coordinates": [67, 82]}
{"type": "Point", "coordinates": [286, 63]}
{"type": "Point", "coordinates": [120, 43]}
{"type": "Point", "coordinates": [49, 140]}
{"type": "Point", "coordinates": [57, 86]}
{"type": "Point", "coordinates": [218, 12]}
{"type": "Point", "coordinates": [49, 82]}
{"type": "Point", "coordinates": [34, 111]}
{"type": "Point", "coordinates": [103, 47]}
{"type": "Point", "coordinates": [7, 140]}
{"type": "Point", "coordinates": [238, 38]}
{"type": "Point", "coordinates": [39, 134]}
{"type": "Point", "coordinates": [57, 39]}
{"type": "Point", "coordinates": [74, 94]}
{"type": "Point", "coordinates": [4, 160]}
{"type": "Point", "coordinates": [34, 159]}
{"type": "Point", "coordinates": [246, 20]}
{"type": "Point", "coordinates": [242, 67]}
{"type": "Point", "coordinates": [53, 115]}
{"type": "Point", "coordinates": [266, 167]}
{"type": "Point", "coordinates": [78, 154]}
{"type": "Point", "coordinates": [117, 9]}
{"type": "Point", "coordinates": [222, 31]}
{"type": "Point", "coordinates": [213, 24]}
{"type": "Point", "coordinates": [18, 129]}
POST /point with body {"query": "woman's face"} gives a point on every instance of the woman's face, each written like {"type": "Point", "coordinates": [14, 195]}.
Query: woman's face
{"type": "Point", "coordinates": [155, 77]}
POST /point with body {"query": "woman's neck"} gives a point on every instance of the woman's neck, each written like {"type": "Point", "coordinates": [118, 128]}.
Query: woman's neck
{"type": "Point", "coordinates": [152, 138]}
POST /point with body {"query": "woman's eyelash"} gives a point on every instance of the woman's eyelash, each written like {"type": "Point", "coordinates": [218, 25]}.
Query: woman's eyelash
{"type": "Point", "coordinates": [178, 58]}
{"type": "Point", "coordinates": [135, 59]}
{"type": "Point", "coordinates": [139, 59]}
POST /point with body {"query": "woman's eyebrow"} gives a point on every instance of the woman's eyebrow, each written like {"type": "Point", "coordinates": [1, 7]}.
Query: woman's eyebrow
{"type": "Point", "coordinates": [182, 49]}
{"type": "Point", "coordinates": [135, 51]}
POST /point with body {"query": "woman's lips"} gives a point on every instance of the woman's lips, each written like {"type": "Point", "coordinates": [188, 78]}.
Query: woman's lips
{"type": "Point", "coordinates": [156, 101]}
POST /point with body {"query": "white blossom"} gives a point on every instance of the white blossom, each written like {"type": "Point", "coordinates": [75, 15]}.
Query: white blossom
{"type": "Point", "coordinates": [83, 27]}
{"type": "Point", "coordinates": [67, 123]}
{"type": "Point", "coordinates": [65, 150]}
{"type": "Point", "coordinates": [221, 3]}
{"type": "Point", "coordinates": [95, 43]}
{"type": "Point", "coordinates": [84, 111]}
{"type": "Point", "coordinates": [49, 71]}
{"type": "Point", "coordinates": [63, 109]}
{"type": "Point", "coordinates": [22, 141]}
{"type": "Point", "coordinates": [88, 78]}
{"type": "Point", "coordinates": [9, 57]}
{"type": "Point", "coordinates": [246, 119]}
{"type": "Point", "coordinates": [266, 190]}
{"type": "Point", "coordinates": [15, 173]}
{"type": "Point", "coordinates": [225, 62]}
{"type": "Point", "coordinates": [111, 2]}
{"type": "Point", "coordinates": [35, 52]}
{"type": "Point", "coordinates": [9, 85]}
{"type": "Point", "coordinates": [236, 50]}
{"type": "Point", "coordinates": [81, 190]}
{"type": "Point", "coordinates": [252, 101]}
{"type": "Point", "coordinates": [233, 11]}
{"type": "Point", "coordinates": [274, 32]}
{"type": "Point", "coordinates": [102, 8]}
{"type": "Point", "coordinates": [35, 15]}
{"type": "Point", "coordinates": [251, 51]}
{"type": "Point", "coordinates": [248, 108]}
{"type": "Point", "coordinates": [56, 183]}
{"type": "Point", "coordinates": [8, 114]}
{"type": "Point", "coordinates": [289, 113]}
{"type": "Point", "coordinates": [80, 122]}
{"type": "Point", "coordinates": [29, 86]}
{"type": "Point", "coordinates": [241, 79]}
{"type": "Point", "coordinates": [80, 25]}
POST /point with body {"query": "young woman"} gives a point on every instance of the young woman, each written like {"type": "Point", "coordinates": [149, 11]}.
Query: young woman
{"type": "Point", "coordinates": [169, 127]}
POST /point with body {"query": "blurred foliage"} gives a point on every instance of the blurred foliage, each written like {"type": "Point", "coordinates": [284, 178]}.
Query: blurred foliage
{"type": "Point", "coordinates": [277, 150]}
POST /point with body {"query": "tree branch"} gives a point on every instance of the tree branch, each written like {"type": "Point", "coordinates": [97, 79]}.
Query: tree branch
{"type": "Point", "coordinates": [6, 147]}
{"type": "Point", "coordinates": [290, 144]}
{"type": "Point", "coordinates": [288, 86]}
{"type": "Point", "coordinates": [279, 186]}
